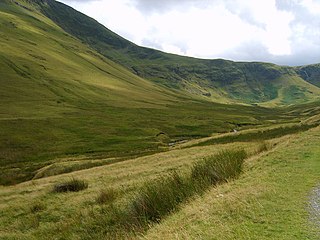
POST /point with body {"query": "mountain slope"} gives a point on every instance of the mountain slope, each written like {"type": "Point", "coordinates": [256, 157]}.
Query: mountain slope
{"type": "Point", "coordinates": [49, 65]}
{"type": "Point", "coordinates": [61, 98]}
{"type": "Point", "coordinates": [310, 73]}
{"type": "Point", "coordinates": [217, 80]}
{"type": "Point", "coordinates": [62, 101]}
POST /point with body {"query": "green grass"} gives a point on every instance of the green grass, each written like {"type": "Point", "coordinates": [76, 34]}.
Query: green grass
{"type": "Point", "coordinates": [213, 213]}
{"type": "Point", "coordinates": [67, 105]}
{"type": "Point", "coordinates": [159, 198]}
{"type": "Point", "coordinates": [106, 196]}
{"type": "Point", "coordinates": [100, 132]}
{"type": "Point", "coordinates": [218, 169]}
{"type": "Point", "coordinates": [259, 135]}
{"type": "Point", "coordinates": [268, 201]}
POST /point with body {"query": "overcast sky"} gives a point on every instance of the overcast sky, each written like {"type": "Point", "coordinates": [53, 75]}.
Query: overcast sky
{"type": "Point", "coordinates": [281, 31]}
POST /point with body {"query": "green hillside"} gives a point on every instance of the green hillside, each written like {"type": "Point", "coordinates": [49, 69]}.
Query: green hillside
{"type": "Point", "coordinates": [65, 99]}
{"type": "Point", "coordinates": [310, 73]}
{"type": "Point", "coordinates": [103, 139]}
{"type": "Point", "coordinates": [213, 80]}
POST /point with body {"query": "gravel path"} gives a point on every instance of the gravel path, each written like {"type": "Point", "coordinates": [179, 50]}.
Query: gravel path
{"type": "Point", "coordinates": [315, 207]}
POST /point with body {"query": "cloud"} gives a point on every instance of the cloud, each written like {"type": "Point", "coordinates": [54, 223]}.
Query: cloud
{"type": "Point", "coordinates": [79, 1]}
{"type": "Point", "coordinates": [151, 6]}
{"type": "Point", "coordinates": [281, 31]}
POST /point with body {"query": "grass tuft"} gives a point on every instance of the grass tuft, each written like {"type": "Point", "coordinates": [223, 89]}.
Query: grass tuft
{"type": "Point", "coordinates": [160, 197]}
{"type": "Point", "coordinates": [73, 185]}
{"type": "Point", "coordinates": [263, 147]}
{"type": "Point", "coordinates": [106, 196]}
{"type": "Point", "coordinates": [37, 207]}
{"type": "Point", "coordinates": [219, 168]}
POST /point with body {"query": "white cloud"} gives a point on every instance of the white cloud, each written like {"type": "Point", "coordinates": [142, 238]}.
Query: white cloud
{"type": "Point", "coordinates": [279, 29]}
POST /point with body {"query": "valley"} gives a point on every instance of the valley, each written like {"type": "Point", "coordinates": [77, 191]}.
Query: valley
{"type": "Point", "coordinates": [79, 102]}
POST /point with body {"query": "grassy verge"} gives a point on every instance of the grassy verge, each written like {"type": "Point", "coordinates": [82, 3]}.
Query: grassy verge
{"type": "Point", "coordinates": [269, 201]}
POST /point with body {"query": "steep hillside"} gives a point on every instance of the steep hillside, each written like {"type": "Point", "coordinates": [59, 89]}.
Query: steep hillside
{"type": "Point", "coordinates": [217, 80]}
{"type": "Point", "coordinates": [44, 63]}
{"type": "Point", "coordinates": [61, 98]}
{"type": "Point", "coordinates": [62, 101]}
{"type": "Point", "coordinates": [310, 73]}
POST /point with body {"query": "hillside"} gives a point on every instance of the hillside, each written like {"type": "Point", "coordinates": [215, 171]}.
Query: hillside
{"type": "Point", "coordinates": [310, 73]}
{"type": "Point", "coordinates": [61, 100]}
{"type": "Point", "coordinates": [103, 139]}
{"type": "Point", "coordinates": [65, 100]}
{"type": "Point", "coordinates": [213, 80]}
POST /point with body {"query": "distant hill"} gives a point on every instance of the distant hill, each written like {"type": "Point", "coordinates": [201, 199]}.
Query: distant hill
{"type": "Point", "coordinates": [214, 80]}
{"type": "Point", "coordinates": [310, 73]}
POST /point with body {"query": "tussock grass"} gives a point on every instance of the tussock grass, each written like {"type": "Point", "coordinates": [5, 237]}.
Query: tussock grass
{"type": "Point", "coordinates": [159, 198]}
{"type": "Point", "coordinates": [106, 196]}
{"type": "Point", "coordinates": [73, 185]}
{"type": "Point", "coordinates": [263, 147]}
{"type": "Point", "coordinates": [37, 207]}
{"type": "Point", "coordinates": [270, 201]}
{"type": "Point", "coordinates": [219, 168]}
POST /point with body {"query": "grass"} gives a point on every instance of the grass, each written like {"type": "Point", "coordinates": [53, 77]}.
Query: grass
{"type": "Point", "coordinates": [263, 146]}
{"type": "Point", "coordinates": [73, 213]}
{"type": "Point", "coordinates": [259, 135]}
{"type": "Point", "coordinates": [269, 201]}
{"type": "Point", "coordinates": [159, 198]}
{"type": "Point", "coordinates": [107, 196]}
{"type": "Point", "coordinates": [219, 168]}
{"type": "Point", "coordinates": [93, 108]}
{"type": "Point", "coordinates": [73, 185]}
{"type": "Point", "coordinates": [37, 207]}
{"type": "Point", "coordinates": [79, 215]}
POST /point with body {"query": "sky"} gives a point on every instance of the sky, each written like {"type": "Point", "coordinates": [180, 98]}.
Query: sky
{"type": "Point", "coordinates": [285, 32]}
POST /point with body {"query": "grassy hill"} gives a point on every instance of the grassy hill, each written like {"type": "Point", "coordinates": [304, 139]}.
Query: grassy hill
{"type": "Point", "coordinates": [94, 128]}
{"type": "Point", "coordinates": [212, 80]}
{"type": "Point", "coordinates": [310, 73]}
{"type": "Point", "coordinates": [60, 100]}
{"type": "Point", "coordinates": [63, 98]}
{"type": "Point", "coordinates": [60, 97]}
